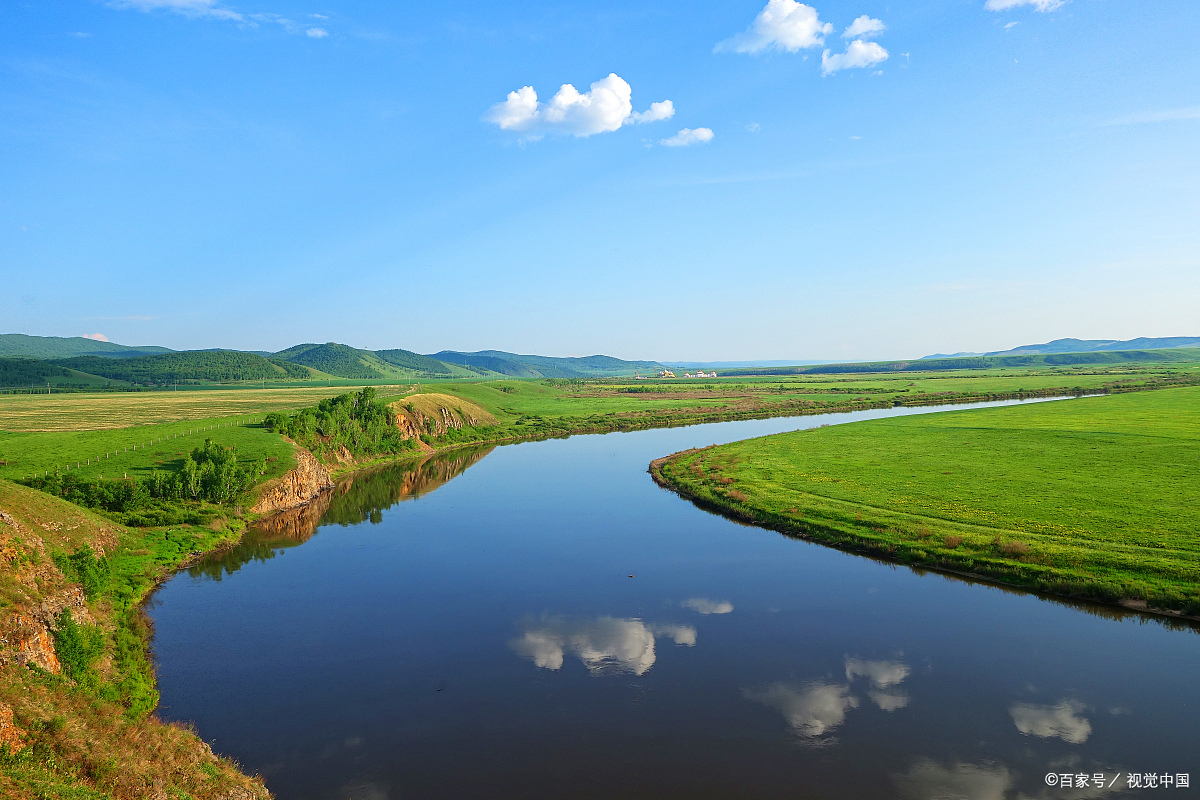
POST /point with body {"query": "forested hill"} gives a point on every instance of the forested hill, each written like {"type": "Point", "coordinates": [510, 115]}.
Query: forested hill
{"type": "Point", "coordinates": [527, 366]}
{"type": "Point", "coordinates": [981, 362]}
{"type": "Point", "coordinates": [1086, 346]}
{"type": "Point", "coordinates": [18, 345]}
{"type": "Point", "coordinates": [192, 365]}
{"type": "Point", "coordinates": [344, 361]}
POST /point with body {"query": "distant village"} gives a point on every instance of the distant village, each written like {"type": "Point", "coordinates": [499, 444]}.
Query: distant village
{"type": "Point", "coordinates": [666, 373]}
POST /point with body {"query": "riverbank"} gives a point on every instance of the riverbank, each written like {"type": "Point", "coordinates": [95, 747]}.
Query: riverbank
{"type": "Point", "coordinates": [77, 687]}
{"type": "Point", "coordinates": [1084, 499]}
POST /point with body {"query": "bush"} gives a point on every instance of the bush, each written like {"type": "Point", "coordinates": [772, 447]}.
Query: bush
{"type": "Point", "coordinates": [77, 646]}
{"type": "Point", "coordinates": [85, 568]}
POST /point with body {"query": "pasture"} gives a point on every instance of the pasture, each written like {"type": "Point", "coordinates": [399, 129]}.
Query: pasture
{"type": "Point", "coordinates": [1093, 497]}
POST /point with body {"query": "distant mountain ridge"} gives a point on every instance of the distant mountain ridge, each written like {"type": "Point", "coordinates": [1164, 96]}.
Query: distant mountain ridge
{"type": "Point", "coordinates": [526, 366]}
{"type": "Point", "coordinates": [19, 345]}
{"type": "Point", "coordinates": [89, 359]}
{"type": "Point", "coordinates": [1084, 346]}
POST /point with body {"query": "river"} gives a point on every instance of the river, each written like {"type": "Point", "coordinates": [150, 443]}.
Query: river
{"type": "Point", "coordinates": [541, 620]}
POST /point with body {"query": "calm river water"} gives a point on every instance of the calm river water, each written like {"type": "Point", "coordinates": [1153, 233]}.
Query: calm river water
{"type": "Point", "coordinates": [545, 622]}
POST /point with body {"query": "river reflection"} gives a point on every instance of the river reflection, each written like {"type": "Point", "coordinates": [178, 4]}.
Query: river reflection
{"type": "Point", "coordinates": [359, 497]}
{"type": "Point", "coordinates": [552, 624]}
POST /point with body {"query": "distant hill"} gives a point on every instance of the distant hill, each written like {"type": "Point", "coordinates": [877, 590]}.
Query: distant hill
{"type": "Point", "coordinates": [1087, 346]}
{"type": "Point", "coordinates": [527, 366]}
{"type": "Point", "coordinates": [339, 360]}
{"type": "Point", "coordinates": [18, 345]}
{"type": "Point", "coordinates": [193, 365]}
{"type": "Point", "coordinates": [406, 359]}
{"type": "Point", "coordinates": [983, 362]}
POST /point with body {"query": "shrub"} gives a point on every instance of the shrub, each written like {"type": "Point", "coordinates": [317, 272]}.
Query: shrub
{"type": "Point", "coordinates": [77, 646]}
{"type": "Point", "coordinates": [85, 568]}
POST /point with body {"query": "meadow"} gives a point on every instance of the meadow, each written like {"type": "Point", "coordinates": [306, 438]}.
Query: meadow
{"type": "Point", "coordinates": [1091, 497]}
{"type": "Point", "coordinates": [115, 434]}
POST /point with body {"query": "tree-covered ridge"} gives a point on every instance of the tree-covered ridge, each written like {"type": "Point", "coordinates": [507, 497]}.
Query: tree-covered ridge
{"type": "Point", "coordinates": [406, 359]}
{"type": "Point", "coordinates": [528, 366]}
{"type": "Point", "coordinates": [357, 421]}
{"type": "Point", "coordinates": [336, 359]}
{"type": "Point", "coordinates": [19, 345]}
{"type": "Point", "coordinates": [194, 365]}
{"type": "Point", "coordinates": [1033, 361]}
{"type": "Point", "coordinates": [26, 371]}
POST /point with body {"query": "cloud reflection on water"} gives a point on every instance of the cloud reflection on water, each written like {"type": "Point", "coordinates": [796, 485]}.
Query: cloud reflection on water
{"type": "Point", "coordinates": [883, 676]}
{"type": "Point", "coordinates": [702, 605]}
{"type": "Point", "coordinates": [927, 780]}
{"type": "Point", "coordinates": [604, 645]}
{"type": "Point", "coordinates": [1064, 721]}
{"type": "Point", "coordinates": [815, 709]}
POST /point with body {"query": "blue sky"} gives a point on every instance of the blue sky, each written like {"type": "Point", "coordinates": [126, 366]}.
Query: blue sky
{"type": "Point", "coordinates": [258, 173]}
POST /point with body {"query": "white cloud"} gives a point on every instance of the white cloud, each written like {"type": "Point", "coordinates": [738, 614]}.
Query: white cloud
{"type": "Point", "coordinates": [703, 605]}
{"type": "Point", "coordinates": [212, 9]}
{"type": "Point", "coordinates": [99, 337]}
{"type": "Point", "coordinates": [606, 106]}
{"type": "Point", "coordinates": [754, 127]}
{"type": "Point", "coordinates": [811, 711]}
{"type": "Point", "coordinates": [1157, 116]}
{"type": "Point", "coordinates": [1038, 5]}
{"type": "Point", "coordinates": [781, 25]}
{"type": "Point", "coordinates": [1064, 721]}
{"type": "Point", "coordinates": [688, 137]}
{"type": "Point", "coordinates": [604, 645]}
{"type": "Point", "coordinates": [1011, 25]}
{"type": "Point", "coordinates": [859, 53]}
{"type": "Point", "coordinates": [863, 27]}
{"type": "Point", "coordinates": [657, 111]}
{"type": "Point", "coordinates": [189, 8]}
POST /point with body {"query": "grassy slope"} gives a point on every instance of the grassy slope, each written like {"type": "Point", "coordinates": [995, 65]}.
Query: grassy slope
{"type": "Point", "coordinates": [1091, 497]}
{"type": "Point", "coordinates": [131, 451]}
{"type": "Point", "coordinates": [87, 738]}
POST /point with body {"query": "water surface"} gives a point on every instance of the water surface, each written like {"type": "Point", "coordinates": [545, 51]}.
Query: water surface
{"type": "Point", "coordinates": [540, 620]}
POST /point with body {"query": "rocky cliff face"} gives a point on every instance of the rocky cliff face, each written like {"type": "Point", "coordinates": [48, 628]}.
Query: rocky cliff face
{"type": "Point", "coordinates": [297, 487]}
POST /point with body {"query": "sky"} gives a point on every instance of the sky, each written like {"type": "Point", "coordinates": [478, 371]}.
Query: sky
{"type": "Point", "coordinates": [655, 180]}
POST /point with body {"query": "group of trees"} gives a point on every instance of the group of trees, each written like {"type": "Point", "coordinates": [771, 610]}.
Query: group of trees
{"type": "Point", "coordinates": [209, 473]}
{"type": "Point", "coordinates": [195, 365]}
{"type": "Point", "coordinates": [26, 371]}
{"type": "Point", "coordinates": [356, 421]}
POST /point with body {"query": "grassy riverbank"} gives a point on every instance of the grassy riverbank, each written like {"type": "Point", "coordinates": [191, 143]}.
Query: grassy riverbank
{"type": "Point", "coordinates": [77, 689]}
{"type": "Point", "coordinates": [1091, 498]}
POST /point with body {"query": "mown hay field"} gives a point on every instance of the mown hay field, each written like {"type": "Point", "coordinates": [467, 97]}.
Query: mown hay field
{"type": "Point", "coordinates": [1092, 497]}
{"type": "Point", "coordinates": [80, 411]}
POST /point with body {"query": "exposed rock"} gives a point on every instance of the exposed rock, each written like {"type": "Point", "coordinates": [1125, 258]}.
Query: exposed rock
{"type": "Point", "coordinates": [27, 641]}
{"type": "Point", "coordinates": [70, 598]}
{"type": "Point", "coordinates": [297, 487]}
{"type": "Point", "coordinates": [10, 735]}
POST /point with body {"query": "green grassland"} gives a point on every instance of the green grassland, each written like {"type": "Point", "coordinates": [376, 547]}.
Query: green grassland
{"type": "Point", "coordinates": [136, 452]}
{"type": "Point", "coordinates": [41, 432]}
{"type": "Point", "coordinates": [1091, 498]}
